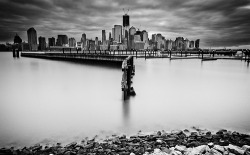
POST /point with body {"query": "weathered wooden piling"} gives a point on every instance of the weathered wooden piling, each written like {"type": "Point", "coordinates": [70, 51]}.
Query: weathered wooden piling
{"type": "Point", "coordinates": [128, 72]}
{"type": "Point", "coordinates": [14, 53]}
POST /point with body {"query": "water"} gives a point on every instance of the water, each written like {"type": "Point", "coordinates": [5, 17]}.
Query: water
{"type": "Point", "coordinates": [45, 101]}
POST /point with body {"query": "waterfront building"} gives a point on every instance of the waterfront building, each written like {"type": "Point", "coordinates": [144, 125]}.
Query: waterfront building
{"type": "Point", "coordinates": [197, 43]}
{"type": "Point", "coordinates": [25, 46]}
{"type": "Point", "coordinates": [79, 45]}
{"type": "Point", "coordinates": [169, 44]}
{"type": "Point", "coordinates": [72, 42]}
{"type": "Point", "coordinates": [17, 39]}
{"type": "Point", "coordinates": [153, 38]}
{"type": "Point", "coordinates": [114, 47]}
{"type": "Point", "coordinates": [84, 40]}
{"type": "Point", "coordinates": [32, 39]}
{"type": "Point", "coordinates": [132, 32]}
{"type": "Point", "coordinates": [118, 33]}
{"type": "Point", "coordinates": [179, 43]}
{"type": "Point", "coordinates": [42, 43]}
{"type": "Point", "coordinates": [103, 36]}
{"type": "Point", "coordinates": [62, 40]}
{"type": "Point", "coordinates": [191, 45]}
{"type": "Point", "coordinates": [110, 38]}
{"type": "Point", "coordinates": [91, 44]}
{"type": "Point", "coordinates": [52, 41]}
{"type": "Point", "coordinates": [145, 39]}
{"type": "Point", "coordinates": [186, 44]}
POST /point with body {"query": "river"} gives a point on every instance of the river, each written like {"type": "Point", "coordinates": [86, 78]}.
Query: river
{"type": "Point", "coordinates": [48, 101]}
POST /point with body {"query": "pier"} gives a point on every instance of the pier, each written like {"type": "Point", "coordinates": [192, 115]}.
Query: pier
{"type": "Point", "coordinates": [126, 62]}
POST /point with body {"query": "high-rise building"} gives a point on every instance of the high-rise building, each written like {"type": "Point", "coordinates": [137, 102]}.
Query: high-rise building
{"type": "Point", "coordinates": [113, 33]}
{"type": "Point", "coordinates": [132, 32]}
{"type": "Point", "coordinates": [191, 45]}
{"type": "Point", "coordinates": [179, 43]}
{"type": "Point", "coordinates": [126, 29]}
{"type": "Point", "coordinates": [118, 33]}
{"type": "Point", "coordinates": [153, 38]}
{"type": "Point", "coordinates": [17, 40]}
{"type": "Point", "coordinates": [83, 40]}
{"type": "Point", "coordinates": [32, 39]}
{"type": "Point", "coordinates": [52, 41]}
{"type": "Point", "coordinates": [197, 43]}
{"type": "Point", "coordinates": [42, 43]}
{"type": "Point", "coordinates": [103, 36]}
{"type": "Point", "coordinates": [110, 38]}
{"type": "Point", "coordinates": [186, 44]}
{"type": "Point", "coordinates": [72, 42]}
{"type": "Point", "coordinates": [62, 40]}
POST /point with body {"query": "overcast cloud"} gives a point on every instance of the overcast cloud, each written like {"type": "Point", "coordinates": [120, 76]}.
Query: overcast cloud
{"type": "Point", "coordinates": [221, 23]}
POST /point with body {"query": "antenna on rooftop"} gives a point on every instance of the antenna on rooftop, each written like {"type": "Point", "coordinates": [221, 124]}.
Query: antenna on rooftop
{"type": "Point", "coordinates": [125, 11]}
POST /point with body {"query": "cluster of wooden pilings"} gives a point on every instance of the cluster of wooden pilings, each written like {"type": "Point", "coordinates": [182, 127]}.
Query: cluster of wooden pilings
{"type": "Point", "coordinates": [15, 53]}
{"type": "Point", "coordinates": [128, 69]}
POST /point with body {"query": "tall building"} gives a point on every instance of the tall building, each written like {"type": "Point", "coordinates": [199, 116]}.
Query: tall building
{"type": "Point", "coordinates": [132, 32]}
{"type": "Point", "coordinates": [52, 41]}
{"type": "Point", "coordinates": [191, 45]}
{"type": "Point", "coordinates": [153, 38]}
{"type": "Point", "coordinates": [197, 43]}
{"type": "Point", "coordinates": [62, 40]}
{"type": "Point", "coordinates": [103, 36]}
{"type": "Point", "coordinates": [17, 39]}
{"type": "Point", "coordinates": [113, 33]}
{"type": "Point", "coordinates": [72, 42]}
{"type": "Point", "coordinates": [32, 39]}
{"type": "Point", "coordinates": [83, 40]}
{"type": "Point", "coordinates": [110, 38]}
{"type": "Point", "coordinates": [186, 44]}
{"type": "Point", "coordinates": [118, 33]}
{"type": "Point", "coordinates": [126, 29]}
{"type": "Point", "coordinates": [179, 43]}
{"type": "Point", "coordinates": [42, 43]}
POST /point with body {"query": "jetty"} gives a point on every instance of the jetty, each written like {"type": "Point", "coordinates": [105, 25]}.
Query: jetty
{"type": "Point", "coordinates": [126, 62]}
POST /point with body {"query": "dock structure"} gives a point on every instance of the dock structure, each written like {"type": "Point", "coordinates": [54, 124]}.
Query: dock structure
{"type": "Point", "coordinates": [127, 64]}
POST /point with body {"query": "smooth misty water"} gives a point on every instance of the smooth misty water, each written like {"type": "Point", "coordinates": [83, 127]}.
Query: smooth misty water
{"type": "Point", "coordinates": [45, 101]}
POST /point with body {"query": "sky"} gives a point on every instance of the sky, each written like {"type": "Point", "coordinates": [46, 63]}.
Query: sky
{"type": "Point", "coordinates": [217, 23]}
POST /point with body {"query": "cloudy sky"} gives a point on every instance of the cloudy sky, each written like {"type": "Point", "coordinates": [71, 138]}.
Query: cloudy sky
{"type": "Point", "coordinates": [218, 23]}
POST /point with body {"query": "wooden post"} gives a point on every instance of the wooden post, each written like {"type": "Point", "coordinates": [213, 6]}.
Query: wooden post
{"type": "Point", "coordinates": [145, 55]}
{"type": "Point", "coordinates": [202, 54]}
{"type": "Point", "coordinates": [246, 55]}
{"type": "Point", "coordinates": [170, 53]}
{"type": "Point", "coordinates": [70, 50]}
{"type": "Point", "coordinates": [181, 53]}
{"type": "Point", "coordinates": [14, 53]}
{"type": "Point", "coordinates": [136, 53]}
{"type": "Point", "coordinates": [17, 53]}
{"type": "Point", "coordinates": [63, 50]}
{"type": "Point", "coordinates": [213, 53]}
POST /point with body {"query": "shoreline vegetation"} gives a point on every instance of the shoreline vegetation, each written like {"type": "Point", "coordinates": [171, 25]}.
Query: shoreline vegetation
{"type": "Point", "coordinates": [194, 141]}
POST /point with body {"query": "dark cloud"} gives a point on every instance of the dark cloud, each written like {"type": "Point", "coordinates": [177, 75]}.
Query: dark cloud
{"type": "Point", "coordinates": [216, 22]}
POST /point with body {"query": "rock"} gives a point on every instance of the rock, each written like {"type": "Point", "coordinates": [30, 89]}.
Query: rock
{"type": "Point", "coordinates": [245, 147]}
{"type": "Point", "coordinates": [235, 149]}
{"type": "Point", "coordinates": [71, 145]}
{"type": "Point", "coordinates": [131, 153]}
{"type": "Point", "coordinates": [215, 152]}
{"type": "Point", "coordinates": [219, 148]}
{"type": "Point", "coordinates": [223, 142]}
{"type": "Point", "coordinates": [193, 144]}
{"type": "Point", "coordinates": [247, 152]}
{"type": "Point", "coordinates": [166, 150]}
{"type": "Point", "coordinates": [180, 148]}
{"type": "Point", "coordinates": [158, 141]}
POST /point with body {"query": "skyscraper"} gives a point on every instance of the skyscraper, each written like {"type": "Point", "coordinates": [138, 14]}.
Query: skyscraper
{"type": "Point", "coordinates": [72, 42]}
{"type": "Point", "coordinates": [62, 40]}
{"type": "Point", "coordinates": [52, 41]}
{"type": "Point", "coordinates": [118, 33]}
{"type": "Point", "coordinates": [126, 28]}
{"type": "Point", "coordinates": [110, 36]}
{"type": "Point", "coordinates": [103, 36]}
{"type": "Point", "coordinates": [42, 43]}
{"type": "Point", "coordinates": [32, 39]}
{"type": "Point", "coordinates": [84, 39]}
{"type": "Point", "coordinates": [132, 32]}
{"type": "Point", "coordinates": [197, 43]}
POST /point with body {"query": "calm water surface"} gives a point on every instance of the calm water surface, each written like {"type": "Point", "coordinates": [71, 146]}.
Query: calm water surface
{"type": "Point", "coordinates": [45, 101]}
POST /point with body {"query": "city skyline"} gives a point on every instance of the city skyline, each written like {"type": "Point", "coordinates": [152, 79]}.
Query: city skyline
{"type": "Point", "coordinates": [217, 23]}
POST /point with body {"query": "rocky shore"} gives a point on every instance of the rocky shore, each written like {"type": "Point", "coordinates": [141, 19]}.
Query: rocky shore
{"type": "Point", "coordinates": [176, 142]}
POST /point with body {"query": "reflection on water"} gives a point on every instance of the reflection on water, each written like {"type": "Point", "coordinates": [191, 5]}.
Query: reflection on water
{"type": "Point", "coordinates": [55, 101]}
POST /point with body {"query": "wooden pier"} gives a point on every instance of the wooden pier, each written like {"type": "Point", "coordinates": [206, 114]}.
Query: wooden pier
{"type": "Point", "coordinates": [126, 62]}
